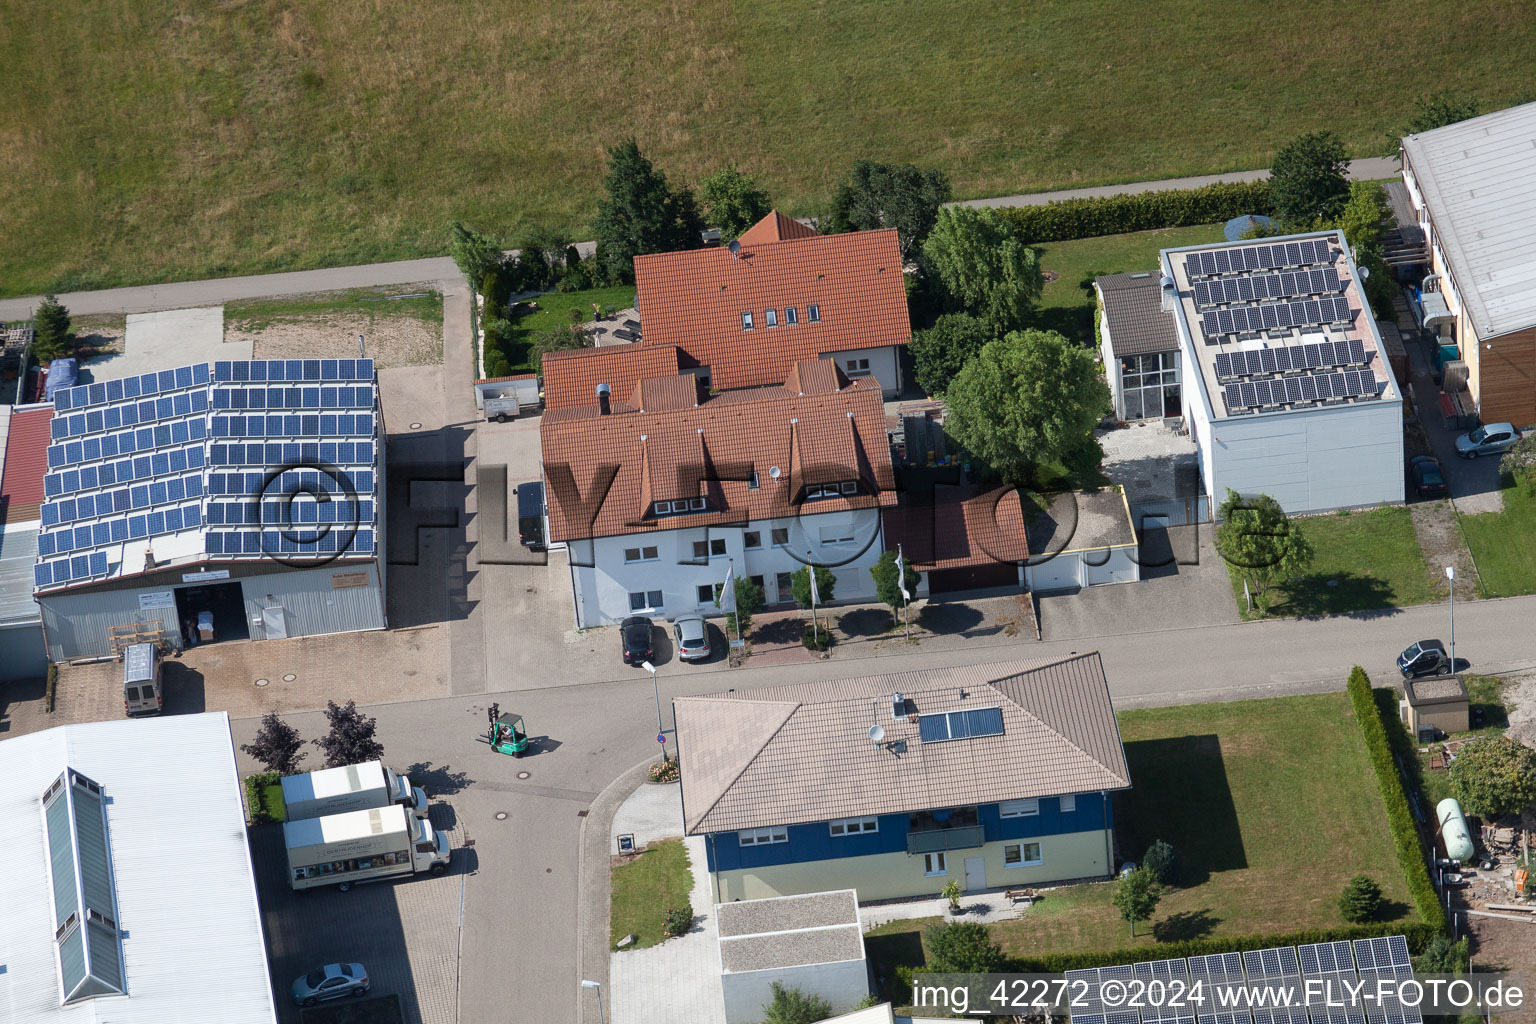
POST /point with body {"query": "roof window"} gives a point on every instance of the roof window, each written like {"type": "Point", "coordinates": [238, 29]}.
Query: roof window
{"type": "Point", "coordinates": [746, 321]}
{"type": "Point", "coordinates": [960, 725]}
{"type": "Point", "coordinates": [771, 317]}
{"type": "Point", "coordinates": [791, 315]}
{"type": "Point", "coordinates": [813, 313]}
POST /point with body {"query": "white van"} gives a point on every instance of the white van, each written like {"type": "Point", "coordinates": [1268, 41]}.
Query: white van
{"type": "Point", "coordinates": [142, 692]}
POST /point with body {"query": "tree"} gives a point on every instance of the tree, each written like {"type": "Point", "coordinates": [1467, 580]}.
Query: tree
{"type": "Point", "coordinates": [1442, 956]}
{"type": "Point", "coordinates": [961, 947]}
{"type": "Point", "coordinates": [1265, 546]}
{"type": "Point", "coordinates": [1136, 896]}
{"type": "Point", "coordinates": [800, 584]}
{"type": "Point", "coordinates": [1161, 860]}
{"type": "Point", "coordinates": [1361, 899]}
{"type": "Point", "coordinates": [1431, 111]}
{"type": "Point", "coordinates": [890, 196]}
{"type": "Point", "coordinates": [1307, 182]}
{"type": "Point", "coordinates": [1363, 221]}
{"type": "Point", "coordinates": [556, 339]}
{"type": "Point", "coordinates": [350, 740]}
{"type": "Point", "coordinates": [542, 255]}
{"type": "Point", "coordinates": [732, 201]}
{"type": "Point", "coordinates": [984, 265]}
{"type": "Point", "coordinates": [641, 214]}
{"type": "Point", "coordinates": [277, 745]}
{"type": "Point", "coordinates": [1519, 462]}
{"type": "Point", "coordinates": [1026, 401]}
{"type": "Point", "coordinates": [52, 337]}
{"type": "Point", "coordinates": [791, 1006]}
{"type": "Point", "coordinates": [749, 601]}
{"type": "Point", "coordinates": [473, 253]}
{"type": "Point", "coordinates": [1494, 775]}
{"type": "Point", "coordinates": [941, 352]}
{"type": "Point", "coordinates": [885, 574]}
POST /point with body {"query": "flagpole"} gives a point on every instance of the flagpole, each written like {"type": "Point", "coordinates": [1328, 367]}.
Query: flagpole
{"type": "Point", "coordinates": [901, 584]}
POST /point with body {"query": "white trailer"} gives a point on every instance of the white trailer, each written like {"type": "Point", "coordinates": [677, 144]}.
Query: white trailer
{"type": "Point", "coordinates": [362, 846]}
{"type": "Point", "coordinates": [355, 787]}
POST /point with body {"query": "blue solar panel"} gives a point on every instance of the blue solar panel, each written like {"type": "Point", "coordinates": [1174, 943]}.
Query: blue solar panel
{"type": "Point", "coordinates": [43, 574]}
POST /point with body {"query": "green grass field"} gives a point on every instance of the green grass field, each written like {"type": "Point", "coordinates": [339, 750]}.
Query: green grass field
{"type": "Point", "coordinates": [1504, 545]}
{"type": "Point", "coordinates": [1372, 558]}
{"type": "Point", "coordinates": [555, 312]}
{"type": "Point", "coordinates": [148, 140]}
{"type": "Point", "coordinates": [367, 303]}
{"type": "Point", "coordinates": [645, 889]}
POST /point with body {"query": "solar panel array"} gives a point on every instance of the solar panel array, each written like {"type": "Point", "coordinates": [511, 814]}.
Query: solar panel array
{"type": "Point", "coordinates": [1317, 387]}
{"type": "Point", "coordinates": [1243, 259]}
{"type": "Point", "coordinates": [1174, 976]}
{"type": "Point", "coordinates": [1091, 1008]}
{"type": "Point", "coordinates": [1275, 316]}
{"type": "Point", "coordinates": [1290, 358]}
{"type": "Point", "coordinates": [1218, 969]}
{"type": "Point", "coordinates": [149, 456]}
{"type": "Point", "coordinates": [1224, 290]}
{"type": "Point", "coordinates": [1332, 962]}
{"type": "Point", "coordinates": [1277, 966]}
{"type": "Point", "coordinates": [1386, 957]}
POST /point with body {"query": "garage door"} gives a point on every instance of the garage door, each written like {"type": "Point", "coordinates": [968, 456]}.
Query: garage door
{"type": "Point", "coordinates": [1058, 573]}
{"type": "Point", "coordinates": [1097, 567]}
{"type": "Point", "coordinates": [945, 581]}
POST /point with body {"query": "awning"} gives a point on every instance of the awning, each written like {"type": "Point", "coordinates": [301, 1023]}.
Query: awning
{"type": "Point", "coordinates": [1435, 310]}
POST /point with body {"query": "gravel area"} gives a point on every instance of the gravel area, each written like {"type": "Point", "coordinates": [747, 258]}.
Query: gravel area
{"type": "Point", "coordinates": [813, 910]}
{"type": "Point", "coordinates": [1520, 705]}
{"type": "Point", "coordinates": [791, 949]}
{"type": "Point", "coordinates": [391, 340]}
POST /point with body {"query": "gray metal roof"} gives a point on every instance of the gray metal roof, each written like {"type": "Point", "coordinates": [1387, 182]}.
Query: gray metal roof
{"type": "Point", "coordinates": [18, 554]}
{"type": "Point", "coordinates": [1478, 179]}
{"type": "Point", "coordinates": [1133, 308]}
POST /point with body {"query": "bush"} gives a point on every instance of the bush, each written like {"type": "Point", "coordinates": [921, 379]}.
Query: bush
{"type": "Point", "coordinates": [1141, 211]}
{"type": "Point", "coordinates": [1361, 899]}
{"type": "Point", "coordinates": [678, 921]}
{"type": "Point", "coordinates": [791, 1006]}
{"type": "Point", "coordinates": [817, 638]}
{"type": "Point", "coordinates": [1494, 775]}
{"type": "Point", "coordinates": [886, 577]}
{"type": "Point", "coordinates": [1162, 862]}
{"type": "Point", "coordinates": [800, 585]}
{"type": "Point", "coordinates": [1442, 956]}
{"type": "Point", "coordinates": [255, 806]}
{"type": "Point", "coordinates": [964, 947]}
{"type": "Point", "coordinates": [1405, 833]}
{"type": "Point", "coordinates": [667, 770]}
{"type": "Point", "coordinates": [749, 601]}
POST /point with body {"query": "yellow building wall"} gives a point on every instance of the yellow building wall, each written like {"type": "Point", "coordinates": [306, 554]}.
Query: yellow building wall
{"type": "Point", "coordinates": [886, 876]}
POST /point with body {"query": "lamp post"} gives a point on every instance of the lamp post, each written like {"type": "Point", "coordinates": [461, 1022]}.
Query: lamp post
{"type": "Point", "coordinates": [595, 985]}
{"type": "Point", "coordinates": [1450, 574]}
{"type": "Point", "coordinates": [661, 734]}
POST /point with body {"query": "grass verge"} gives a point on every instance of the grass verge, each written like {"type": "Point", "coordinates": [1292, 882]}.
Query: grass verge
{"type": "Point", "coordinates": [1504, 544]}
{"type": "Point", "coordinates": [644, 889]}
{"type": "Point", "coordinates": [1371, 558]}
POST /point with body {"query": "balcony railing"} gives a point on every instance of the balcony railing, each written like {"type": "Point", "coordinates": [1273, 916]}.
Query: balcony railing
{"type": "Point", "coordinates": [967, 837]}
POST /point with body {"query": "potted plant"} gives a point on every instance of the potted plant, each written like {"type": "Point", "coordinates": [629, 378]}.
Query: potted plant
{"type": "Point", "coordinates": [952, 893]}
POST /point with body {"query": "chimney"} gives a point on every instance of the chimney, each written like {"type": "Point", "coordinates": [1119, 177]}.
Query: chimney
{"type": "Point", "coordinates": [1170, 294]}
{"type": "Point", "coordinates": [603, 408]}
{"type": "Point", "coordinates": [898, 707]}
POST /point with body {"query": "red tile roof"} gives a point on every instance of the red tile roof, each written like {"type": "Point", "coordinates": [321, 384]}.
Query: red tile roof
{"type": "Point", "coordinates": [656, 394]}
{"type": "Point", "coordinates": [515, 376]}
{"type": "Point", "coordinates": [775, 228]}
{"type": "Point", "coordinates": [958, 527]}
{"type": "Point", "coordinates": [26, 463]}
{"type": "Point", "coordinates": [571, 376]}
{"type": "Point", "coordinates": [695, 300]}
{"type": "Point", "coordinates": [648, 456]}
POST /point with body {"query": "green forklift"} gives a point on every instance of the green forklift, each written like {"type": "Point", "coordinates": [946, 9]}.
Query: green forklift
{"type": "Point", "coordinates": [507, 734]}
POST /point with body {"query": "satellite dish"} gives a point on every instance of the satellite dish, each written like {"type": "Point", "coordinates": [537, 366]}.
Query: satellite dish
{"type": "Point", "coordinates": [773, 471]}
{"type": "Point", "coordinates": [877, 734]}
{"type": "Point", "coordinates": [735, 247]}
{"type": "Point", "coordinates": [1365, 272]}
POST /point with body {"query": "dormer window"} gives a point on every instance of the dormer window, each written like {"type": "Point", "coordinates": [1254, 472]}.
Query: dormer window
{"type": "Point", "coordinates": [845, 488]}
{"type": "Point", "coordinates": [746, 321]}
{"type": "Point", "coordinates": [681, 506]}
{"type": "Point", "coordinates": [791, 315]}
{"type": "Point", "coordinates": [752, 482]}
{"type": "Point", "coordinates": [771, 317]}
{"type": "Point", "coordinates": [813, 313]}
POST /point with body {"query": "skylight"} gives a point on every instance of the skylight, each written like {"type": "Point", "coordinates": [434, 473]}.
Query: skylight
{"type": "Point", "coordinates": [84, 902]}
{"type": "Point", "coordinates": [960, 725]}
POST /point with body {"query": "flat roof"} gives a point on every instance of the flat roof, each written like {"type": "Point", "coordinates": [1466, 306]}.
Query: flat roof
{"type": "Point", "coordinates": [18, 554]}
{"type": "Point", "coordinates": [789, 931]}
{"type": "Point", "coordinates": [181, 869]}
{"type": "Point", "coordinates": [1435, 690]}
{"type": "Point", "coordinates": [786, 913]}
{"type": "Point", "coordinates": [1216, 345]}
{"type": "Point", "coordinates": [1082, 521]}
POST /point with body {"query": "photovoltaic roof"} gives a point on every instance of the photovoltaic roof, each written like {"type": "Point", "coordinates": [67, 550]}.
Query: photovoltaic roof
{"type": "Point", "coordinates": [237, 459]}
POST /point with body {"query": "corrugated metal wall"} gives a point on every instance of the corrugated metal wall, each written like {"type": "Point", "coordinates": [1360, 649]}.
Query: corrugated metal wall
{"type": "Point", "coordinates": [79, 625]}
{"type": "Point", "coordinates": [21, 653]}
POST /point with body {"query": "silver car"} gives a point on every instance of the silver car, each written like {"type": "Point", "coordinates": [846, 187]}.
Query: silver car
{"type": "Point", "coordinates": [330, 982]}
{"type": "Point", "coordinates": [692, 637]}
{"type": "Point", "coordinates": [1487, 440]}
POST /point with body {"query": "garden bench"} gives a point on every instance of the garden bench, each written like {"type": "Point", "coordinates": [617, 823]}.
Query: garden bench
{"type": "Point", "coordinates": [1022, 896]}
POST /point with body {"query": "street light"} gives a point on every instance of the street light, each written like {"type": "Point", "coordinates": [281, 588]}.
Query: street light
{"type": "Point", "coordinates": [1450, 574]}
{"type": "Point", "coordinates": [593, 984]}
{"type": "Point", "coordinates": [661, 734]}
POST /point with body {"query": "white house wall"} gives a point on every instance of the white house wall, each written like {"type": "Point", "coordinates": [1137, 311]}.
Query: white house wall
{"type": "Point", "coordinates": [884, 365]}
{"type": "Point", "coordinates": [843, 984]}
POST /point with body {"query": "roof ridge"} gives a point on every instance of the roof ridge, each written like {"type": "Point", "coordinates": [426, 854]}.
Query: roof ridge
{"type": "Point", "coordinates": [1054, 729]}
{"type": "Point", "coordinates": [793, 706]}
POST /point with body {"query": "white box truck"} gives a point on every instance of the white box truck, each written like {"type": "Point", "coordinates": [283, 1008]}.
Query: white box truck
{"type": "Point", "coordinates": [355, 787]}
{"type": "Point", "coordinates": [362, 846]}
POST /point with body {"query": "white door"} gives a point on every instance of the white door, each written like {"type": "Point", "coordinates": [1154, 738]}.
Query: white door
{"type": "Point", "coordinates": [1096, 565]}
{"type": "Point", "coordinates": [975, 874]}
{"type": "Point", "coordinates": [275, 622]}
{"type": "Point", "coordinates": [1061, 572]}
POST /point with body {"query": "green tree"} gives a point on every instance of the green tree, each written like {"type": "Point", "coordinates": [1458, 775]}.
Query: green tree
{"type": "Point", "coordinates": [52, 336]}
{"type": "Point", "coordinates": [749, 601]}
{"type": "Point", "coordinates": [1162, 862]}
{"type": "Point", "coordinates": [1363, 221]}
{"type": "Point", "coordinates": [1026, 401]}
{"type": "Point", "coordinates": [732, 201]}
{"type": "Point", "coordinates": [941, 352]}
{"type": "Point", "coordinates": [1136, 896]}
{"type": "Point", "coordinates": [961, 947]}
{"type": "Point", "coordinates": [556, 339]}
{"type": "Point", "coordinates": [473, 253]}
{"type": "Point", "coordinates": [1307, 182]}
{"type": "Point", "coordinates": [984, 266]}
{"type": "Point", "coordinates": [641, 213]}
{"type": "Point", "coordinates": [1431, 111]}
{"type": "Point", "coordinates": [890, 196]}
{"type": "Point", "coordinates": [800, 585]}
{"type": "Point", "coordinates": [791, 1006]}
{"type": "Point", "coordinates": [1265, 546]}
{"type": "Point", "coordinates": [885, 574]}
{"type": "Point", "coordinates": [1361, 899]}
{"type": "Point", "coordinates": [1442, 956]}
{"type": "Point", "coordinates": [1494, 775]}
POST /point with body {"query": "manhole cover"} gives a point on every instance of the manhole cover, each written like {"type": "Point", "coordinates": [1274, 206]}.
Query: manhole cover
{"type": "Point", "coordinates": [415, 426]}
{"type": "Point", "coordinates": [262, 682]}
{"type": "Point", "coordinates": [289, 677]}
{"type": "Point", "coordinates": [501, 815]}
{"type": "Point", "coordinates": [524, 775]}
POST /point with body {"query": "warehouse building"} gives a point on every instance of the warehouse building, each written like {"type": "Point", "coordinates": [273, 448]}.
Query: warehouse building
{"type": "Point", "coordinates": [225, 501]}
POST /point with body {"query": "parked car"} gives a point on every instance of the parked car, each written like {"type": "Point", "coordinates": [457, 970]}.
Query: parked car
{"type": "Point", "coordinates": [1425, 658]}
{"type": "Point", "coordinates": [330, 982]}
{"type": "Point", "coordinates": [1490, 439]}
{"type": "Point", "coordinates": [1428, 481]}
{"type": "Point", "coordinates": [635, 639]}
{"type": "Point", "coordinates": [692, 637]}
{"type": "Point", "coordinates": [530, 515]}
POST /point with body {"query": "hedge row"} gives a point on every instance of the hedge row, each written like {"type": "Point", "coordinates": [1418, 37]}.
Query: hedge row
{"type": "Point", "coordinates": [1405, 834]}
{"type": "Point", "coordinates": [1140, 211]}
{"type": "Point", "coordinates": [255, 806]}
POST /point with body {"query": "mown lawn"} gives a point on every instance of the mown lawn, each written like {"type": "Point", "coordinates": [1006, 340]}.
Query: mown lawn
{"type": "Point", "coordinates": [368, 303]}
{"type": "Point", "coordinates": [644, 890]}
{"type": "Point", "coordinates": [147, 140]}
{"type": "Point", "coordinates": [1504, 544]}
{"type": "Point", "coordinates": [555, 312]}
{"type": "Point", "coordinates": [1371, 559]}
{"type": "Point", "coordinates": [1271, 806]}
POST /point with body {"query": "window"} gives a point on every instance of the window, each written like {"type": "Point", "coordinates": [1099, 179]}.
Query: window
{"type": "Point", "coordinates": [1018, 855]}
{"type": "Point", "coordinates": [640, 554]}
{"type": "Point", "coordinates": [680, 506]}
{"type": "Point", "coordinates": [663, 508]}
{"type": "Point", "coordinates": [752, 482]}
{"type": "Point", "coordinates": [752, 539]}
{"type": "Point", "coordinates": [959, 725]}
{"type": "Point", "coordinates": [843, 487]}
{"type": "Point", "coordinates": [1068, 804]}
{"type": "Point", "coordinates": [717, 546]}
{"type": "Point", "coordinates": [706, 593]}
{"type": "Point", "coordinates": [746, 321]}
{"type": "Point", "coordinates": [780, 536]}
{"type": "Point", "coordinates": [763, 836]}
{"type": "Point", "coordinates": [758, 580]}
{"type": "Point", "coordinates": [857, 367]}
{"type": "Point", "coordinates": [1019, 808]}
{"type": "Point", "coordinates": [849, 487]}
{"type": "Point", "coordinates": [771, 317]}
{"type": "Point", "coordinates": [933, 863]}
{"type": "Point", "coordinates": [701, 549]}
{"type": "Point", "coordinates": [785, 585]}
{"type": "Point", "coordinates": [643, 599]}
{"type": "Point", "coordinates": [837, 534]}
{"type": "Point", "coordinates": [813, 313]}
{"type": "Point", "coordinates": [1149, 386]}
{"type": "Point", "coordinates": [790, 315]}
{"type": "Point", "coordinates": [854, 826]}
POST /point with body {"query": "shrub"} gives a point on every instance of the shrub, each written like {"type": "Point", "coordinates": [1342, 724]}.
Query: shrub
{"type": "Point", "coordinates": [817, 638]}
{"type": "Point", "coordinates": [473, 253]}
{"type": "Point", "coordinates": [800, 585]}
{"type": "Point", "coordinates": [1361, 899]}
{"type": "Point", "coordinates": [952, 892]}
{"type": "Point", "coordinates": [666, 770]}
{"type": "Point", "coordinates": [749, 601]}
{"type": "Point", "coordinates": [791, 1006]}
{"type": "Point", "coordinates": [255, 806]}
{"type": "Point", "coordinates": [496, 365]}
{"type": "Point", "coordinates": [277, 745]}
{"type": "Point", "coordinates": [962, 947]}
{"type": "Point", "coordinates": [52, 337]}
{"type": "Point", "coordinates": [1442, 956]}
{"type": "Point", "coordinates": [1142, 211]}
{"type": "Point", "coordinates": [886, 578]}
{"type": "Point", "coordinates": [1162, 862]}
{"type": "Point", "coordinates": [1494, 775]}
{"type": "Point", "coordinates": [678, 921]}
{"type": "Point", "coordinates": [1405, 834]}
{"type": "Point", "coordinates": [52, 689]}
